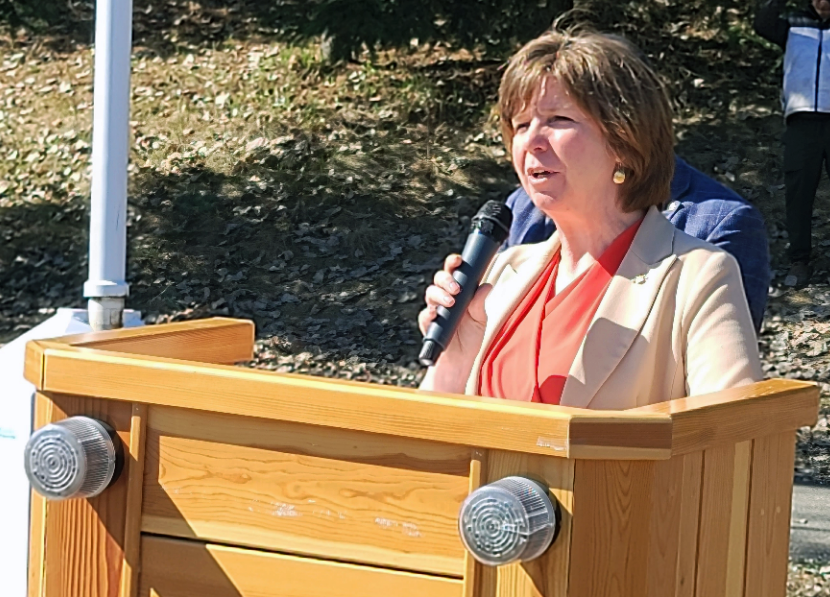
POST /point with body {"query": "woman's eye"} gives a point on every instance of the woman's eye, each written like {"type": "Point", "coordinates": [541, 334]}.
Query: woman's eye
{"type": "Point", "coordinates": [560, 118]}
{"type": "Point", "coordinates": [521, 126]}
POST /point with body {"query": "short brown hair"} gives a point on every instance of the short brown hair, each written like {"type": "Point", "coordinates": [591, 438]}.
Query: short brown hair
{"type": "Point", "coordinates": [610, 82]}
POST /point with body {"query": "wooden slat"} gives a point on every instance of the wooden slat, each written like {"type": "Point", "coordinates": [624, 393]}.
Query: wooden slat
{"type": "Point", "coordinates": [37, 545]}
{"type": "Point", "coordinates": [770, 501]}
{"type": "Point", "coordinates": [602, 436]}
{"type": "Point", "coordinates": [135, 485]}
{"type": "Point", "coordinates": [723, 512]}
{"type": "Point", "coordinates": [612, 512]}
{"type": "Point", "coordinates": [684, 585]}
{"type": "Point", "coordinates": [673, 529]}
{"type": "Point", "coordinates": [739, 414]}
{"type": "Point", "coordinates": [736, 557]}
{"type": "Point", "coordinates": [546, 576]}
{"type": "Point", "coordinates": [37, 519]}
{"type": "Point", "coordinates": [304, 489]}
{"type": "Point", "coordinates": [174, 568]}
{"type": "Point", "coordinates": [217, 340]}
{"type": "Point", "coordinates": [715, 511]}
{"type": "Point", "coordinates": [84, 547]}
{"type": "Point", "coordinates": [472, 569]}
{"type": "Point", "coordinates": [33, 362]}
{"type": "Point", "coordinates": [664, 527]}
{"type": "Point", "coordinates": [483, 422]}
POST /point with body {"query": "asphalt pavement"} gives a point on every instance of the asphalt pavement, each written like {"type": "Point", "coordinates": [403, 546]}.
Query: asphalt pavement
{"type": "Point", "coordinates": [810, 531]}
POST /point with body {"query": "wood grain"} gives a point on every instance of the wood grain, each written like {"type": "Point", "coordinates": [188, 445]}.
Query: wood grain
{"type": "Point", "coordinates": [654, 432]}
{"type": "Point", "coordinates": [599, 436]}
{"type": "Point", "coordinates": [546, 576]}
{"type": "Point", "coordinates": [736, 557]}
{"type": "Point", "coordinates": [611, 522]}
{"type": "Point", "coordinates": [216, 340]}
{"type": "Point", "coordinates": [174, 568]}
{"type": "Point", "coordinates": [715, 511]}
{"type": "Point", "coordinates": [676, 508]}
{"type": "Point", "coordinates": [472, 569]}
{"type": "Point", "coordinates": [689, 524]}
{"type": "Point", "coordinates": [723, 514]}
{"type": "Point", "coordinates": [135, 485]}
{"type": "Point", "coordinates": [84, 545]}
{"type": "Point", "coordinates": [43, 409]}
{"type": "Point", "coordinates": [33, 363]}
{"type": "Point", "coordinates": [37, 545]}
{"type": "Point", "coordinates": [664, 527]}
{"type": "Point", "coordinates": [770, 502]}
{"type": "Point", "coordinates": [483, 422]}
{"type": "Point", "coordinates": [739, 414]}
{"type": "Point", "coordinates": [303, 489]}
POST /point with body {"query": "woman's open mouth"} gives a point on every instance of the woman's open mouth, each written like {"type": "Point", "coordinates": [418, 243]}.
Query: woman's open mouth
{"type": "Point", "coordinates": [539, 173]}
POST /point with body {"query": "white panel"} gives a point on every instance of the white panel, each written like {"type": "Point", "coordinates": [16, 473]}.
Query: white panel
{"type": "Point", "coordinates": [15, 427]}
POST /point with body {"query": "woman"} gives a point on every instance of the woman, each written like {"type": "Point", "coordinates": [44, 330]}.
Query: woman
{"type": "Point", "coordinates": [618, 309]}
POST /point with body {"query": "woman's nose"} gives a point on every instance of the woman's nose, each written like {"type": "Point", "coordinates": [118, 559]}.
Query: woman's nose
{"type": "Point", "coordinates": [537, 140]}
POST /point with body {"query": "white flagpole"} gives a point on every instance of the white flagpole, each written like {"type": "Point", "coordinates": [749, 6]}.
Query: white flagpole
{"type": "Point", "coordinates": [106, 287]}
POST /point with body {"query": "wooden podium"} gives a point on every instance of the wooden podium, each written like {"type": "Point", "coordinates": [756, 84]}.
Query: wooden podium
{"type": "Point", "coordinates": [247, 483]}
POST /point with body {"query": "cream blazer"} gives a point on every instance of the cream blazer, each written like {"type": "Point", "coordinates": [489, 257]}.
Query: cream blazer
{"type": "Point", "coordinates": [674, 321]}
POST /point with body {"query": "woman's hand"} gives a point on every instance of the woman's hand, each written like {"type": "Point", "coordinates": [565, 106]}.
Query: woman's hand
{"type": "Point", "coordinates": [453, 366]}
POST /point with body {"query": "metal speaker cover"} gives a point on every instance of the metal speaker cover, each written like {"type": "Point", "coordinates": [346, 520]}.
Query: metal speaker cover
{"type": "Point", "coordinates": [73, 458]}
{"type": "Point", "coordinates": [510, 520]}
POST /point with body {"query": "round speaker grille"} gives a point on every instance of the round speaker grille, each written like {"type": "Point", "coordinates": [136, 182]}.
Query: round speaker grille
{"type": "Point", "coordinates": [73, 458]}
{"type": "Point", "coordinates": [510, 520]}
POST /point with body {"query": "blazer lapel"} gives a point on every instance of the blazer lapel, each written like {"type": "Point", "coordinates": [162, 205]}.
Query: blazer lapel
{"type": "Point", "coordinates": [510, 288]}
{"type": "Point", "coordinates": [623, 310]}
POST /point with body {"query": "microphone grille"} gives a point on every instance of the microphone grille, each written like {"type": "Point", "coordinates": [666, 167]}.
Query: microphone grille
{"type": "Point", "coordinates": [497, 213]}
{"type": "Point", "coordinates": [429, 353]}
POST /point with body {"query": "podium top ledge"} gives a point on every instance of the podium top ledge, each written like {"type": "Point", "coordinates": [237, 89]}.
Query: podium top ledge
{"type": "Point", "coordinates": [188, 365]}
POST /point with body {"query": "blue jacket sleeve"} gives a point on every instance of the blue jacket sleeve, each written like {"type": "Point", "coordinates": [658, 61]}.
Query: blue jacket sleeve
{"type": "Point", "coordinates": [529, 224]}
{"type": "Point", "coordinates": [513, 237]}
{"type": "Point", "coordinates": [743, 234]}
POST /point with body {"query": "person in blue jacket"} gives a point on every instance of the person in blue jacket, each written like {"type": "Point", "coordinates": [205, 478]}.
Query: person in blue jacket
{"type": "Point", "coordinates": [804, 36]}
{"type": "Point", "coordinates": [700, 207]}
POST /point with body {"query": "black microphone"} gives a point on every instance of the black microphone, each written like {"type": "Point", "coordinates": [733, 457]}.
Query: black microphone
{"type": "Point", "coordinates": [490, 227]}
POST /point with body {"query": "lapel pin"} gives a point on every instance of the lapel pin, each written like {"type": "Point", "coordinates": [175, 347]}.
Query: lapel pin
{"type": "Point", "coordinates": [640, 279]}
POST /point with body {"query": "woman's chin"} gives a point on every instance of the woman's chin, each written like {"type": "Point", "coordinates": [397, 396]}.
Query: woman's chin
{"type": "Point", "coordinates": [544, 200]}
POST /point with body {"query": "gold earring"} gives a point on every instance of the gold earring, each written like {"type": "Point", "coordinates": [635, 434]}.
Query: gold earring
{"type": "Point", "coordinates": [619, 175]}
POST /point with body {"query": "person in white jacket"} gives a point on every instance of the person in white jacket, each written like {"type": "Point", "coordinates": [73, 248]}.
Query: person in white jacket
{"type": "Point", "coordinates": [805, 37]}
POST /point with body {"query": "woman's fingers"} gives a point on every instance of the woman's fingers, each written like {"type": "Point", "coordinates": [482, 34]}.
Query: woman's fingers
{"type": "Point", "coordinates": [434, 296]}
{"type": "Point", "coordinates": [443, 279]}
{"type": "Point", "coordinates": [438, 296]}
{"type": "Point", "coordinates": [441, 292]}
{"type": "Point", "coordinates": [452, 262]}
{"type": "Point", "coordinates": [425, 317]}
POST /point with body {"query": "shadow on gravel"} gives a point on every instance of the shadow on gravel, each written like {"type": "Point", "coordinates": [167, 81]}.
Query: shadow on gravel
{"type": "Point", "coordinates": [296, 237]}
{"type": "Point", "coordinates": [43, 253]}
{"type": "Point", "coordinates": [348, 26]}
{"type": "Point", "coordinates": [301, 241]}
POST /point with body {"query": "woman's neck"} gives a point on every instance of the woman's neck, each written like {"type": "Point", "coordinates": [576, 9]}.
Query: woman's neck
{"type": "Point", "coordinates": [585, 239]}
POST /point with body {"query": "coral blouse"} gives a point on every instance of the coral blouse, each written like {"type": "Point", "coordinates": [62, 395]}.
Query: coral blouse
{"type": "Point", "coordinates": [530, 357]}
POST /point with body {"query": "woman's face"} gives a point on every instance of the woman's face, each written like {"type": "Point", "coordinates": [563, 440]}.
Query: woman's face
{"type": "Point", "coordinates": [560, 154]}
